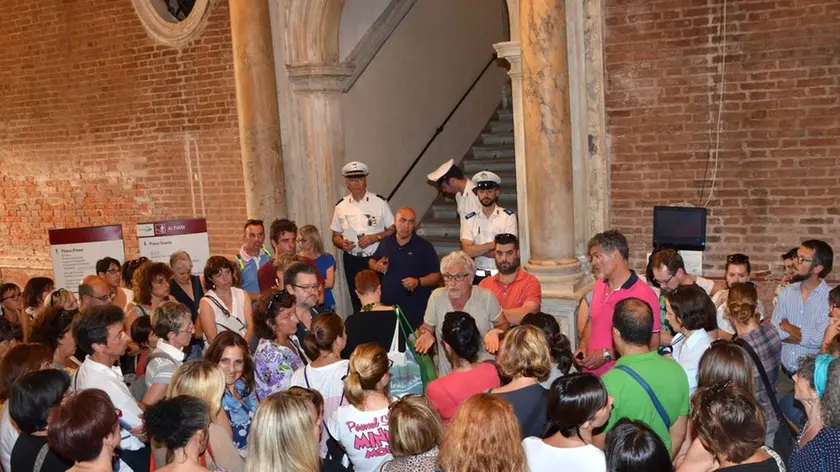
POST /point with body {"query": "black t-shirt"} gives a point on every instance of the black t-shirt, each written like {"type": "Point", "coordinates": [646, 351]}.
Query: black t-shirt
{"type": "Point", "coordinates": [371, 326]}
{"type": "Point", "coordinates": [764, 466]}
{"type": "Point", "coordinates": [530, 404]}
{"type": "Point", "coordinates": [26, 451]}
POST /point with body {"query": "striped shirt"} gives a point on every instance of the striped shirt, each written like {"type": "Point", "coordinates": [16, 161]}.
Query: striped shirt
{"type": "Point", "coordinates": [811, 316]}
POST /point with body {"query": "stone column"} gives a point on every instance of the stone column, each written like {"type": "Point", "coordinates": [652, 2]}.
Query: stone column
{"type": "Point", "coordinates": [548, 155]}
{"type": "Point", "coordinates": [256, 104]}
{"type": "Point", "coordinates": [318, 91]}
{"type": "Point", "coordinates": [511, 52]}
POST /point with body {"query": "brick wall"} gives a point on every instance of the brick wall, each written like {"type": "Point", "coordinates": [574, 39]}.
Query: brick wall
{"type": "Point", "coordinates": [778, 175]}
{"type": "Point", "coordinates": [100, 125]}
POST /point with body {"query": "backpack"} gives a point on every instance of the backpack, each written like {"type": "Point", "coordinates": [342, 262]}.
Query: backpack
{"type": "Point", "coordinates": [138, 386]}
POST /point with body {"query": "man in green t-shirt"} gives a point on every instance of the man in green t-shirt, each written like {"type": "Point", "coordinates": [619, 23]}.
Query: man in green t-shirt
{"type": "Point", "coordinates": [632, 327]}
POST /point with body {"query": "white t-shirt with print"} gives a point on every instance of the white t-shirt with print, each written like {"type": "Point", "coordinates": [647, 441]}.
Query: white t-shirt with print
{"type": "Point", "coordinates": [363, 434]}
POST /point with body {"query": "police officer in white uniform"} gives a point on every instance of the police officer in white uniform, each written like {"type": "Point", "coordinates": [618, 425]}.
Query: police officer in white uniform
{"type": "Point", "coordinates": [451, 181]}
{"type": "Point", "coordinates": [481, 228]}
{"type": "Point", "coordinates": [360, 221]}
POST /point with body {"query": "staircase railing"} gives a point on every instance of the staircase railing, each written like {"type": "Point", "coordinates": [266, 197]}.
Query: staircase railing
{"type": "Point", "coordinates": [442, 126]}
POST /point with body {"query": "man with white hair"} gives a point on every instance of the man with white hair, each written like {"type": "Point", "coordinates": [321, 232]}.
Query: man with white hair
{"type": "Point", "coordinates": [459, 294]}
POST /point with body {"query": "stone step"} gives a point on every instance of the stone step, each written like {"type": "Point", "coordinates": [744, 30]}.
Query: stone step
{"type": "Point", "coordinates": [471, 166]}
{"type": "Point", "coordinates": [444, 228]}
{"type": "Point", "coordinates": [500, 127]}
{"type": "Point", "coordinates": [444, 246]}
{"type": "Point", "coordinates": [497, 138]}
{"type": "Point", "coordinates": [495, 151]}
{"type": "Point", "coordinates": [504, 114]}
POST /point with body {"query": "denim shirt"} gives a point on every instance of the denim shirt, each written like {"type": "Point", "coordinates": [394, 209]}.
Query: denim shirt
{"type": "Point", "coordinates": [240, 414]}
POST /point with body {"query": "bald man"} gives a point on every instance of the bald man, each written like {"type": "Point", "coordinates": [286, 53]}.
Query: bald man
{"type": "Point", "coordinates": [410, 267]}
{"type": "Point", "coordinates": [95, 291]}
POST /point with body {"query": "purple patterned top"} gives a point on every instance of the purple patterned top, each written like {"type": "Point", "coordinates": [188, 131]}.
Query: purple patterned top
{"type": "Point", "coordinates": [274, 366]}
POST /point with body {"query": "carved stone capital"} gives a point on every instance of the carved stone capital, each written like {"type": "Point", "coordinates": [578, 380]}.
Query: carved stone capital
{"type": "Point", "coordinates": [318, 77]}
{"type": "Point", "coordinates": [511, 51]}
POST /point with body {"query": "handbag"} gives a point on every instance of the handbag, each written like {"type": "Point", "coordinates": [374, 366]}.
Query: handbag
{"type": "Point", "coordinates": [656, 403]}
{"type": "Point", "coordinates": [428, 371]}
{"type": "Point", "coordinates": [785, 439]}
{"type": "Point", "coordinates": [405, 371]}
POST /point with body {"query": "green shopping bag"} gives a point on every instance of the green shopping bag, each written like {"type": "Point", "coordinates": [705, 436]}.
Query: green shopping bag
{"type": "Point", "coordinates": [427, 365]}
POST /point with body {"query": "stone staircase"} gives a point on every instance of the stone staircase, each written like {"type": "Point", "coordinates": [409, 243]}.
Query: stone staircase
{"type": "Point", "coordinates": [493, 150]}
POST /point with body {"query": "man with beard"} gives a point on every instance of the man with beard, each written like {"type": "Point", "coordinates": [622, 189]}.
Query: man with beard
{"type": "Point", "coordinates": [802, 311]}
{"type": "Point", "coordinates": [518, 292]}
{"type": "Point", "coordinates": [789, 264]}
{"type": "Point", "coordinates": [608, 252]}
{"type": "Point", "coordinates": [480, 229]}
{"type": "Point", "coordinates": [459, 294]}
{"type": "Point", "coordinates": [409, 265]}
{"type": "Point", "coordinates": [300, 280]}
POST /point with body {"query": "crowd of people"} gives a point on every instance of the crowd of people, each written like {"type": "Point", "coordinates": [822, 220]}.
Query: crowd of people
{"type": "Point", "coordinates": [246, 366]}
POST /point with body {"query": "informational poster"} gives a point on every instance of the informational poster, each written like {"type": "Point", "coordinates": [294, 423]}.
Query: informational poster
{"type": "Point", "coordinates": [74, 252]}
{"type": "Point", "coordinates": [159, 239]}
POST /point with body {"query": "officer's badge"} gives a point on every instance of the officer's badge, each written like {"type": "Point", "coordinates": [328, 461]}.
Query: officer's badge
{"type": "Point", "coordinates": [372, 221]}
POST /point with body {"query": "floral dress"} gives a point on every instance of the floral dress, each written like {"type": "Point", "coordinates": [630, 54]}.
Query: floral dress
{"type": "Point", "coordinates": [275, 365]}
{"type": "Point", "coordinates": [240, 414]}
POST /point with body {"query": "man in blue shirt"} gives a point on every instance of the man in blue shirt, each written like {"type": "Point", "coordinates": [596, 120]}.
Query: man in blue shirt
{"type": "Point", "coordinates": [251, 257]}
{"type": "Point", "coordinates": [410, 266]}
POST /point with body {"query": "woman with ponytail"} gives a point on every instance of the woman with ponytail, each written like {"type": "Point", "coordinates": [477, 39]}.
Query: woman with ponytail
{"type": "Point", "coordinates": [558, 344]}
{"type": "Point", "coordinates": [327, 370]}
{"type": "Point", "coordinates": [362, 426]}
{"type": "Point", "coordinates": [577, 405]}
{"type": "Point", "coordinates": [763, 338]}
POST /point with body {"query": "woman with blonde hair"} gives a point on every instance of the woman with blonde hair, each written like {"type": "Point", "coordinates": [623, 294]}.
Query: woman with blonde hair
{"type": "Point", "coordinates": [362, 426]}
{"type": "Point", "coordinates": [284, 437]}
{"type": "Point", "coordinates": [525, 361]}
{"type": "Point", "coordinates": [312, 246]}
{"type": "Point", "coordinates": [416, 434]}
{"type": "Point", "coordinates": [483, 437]}
{"type": "Point", "coordinates": [204, 380]}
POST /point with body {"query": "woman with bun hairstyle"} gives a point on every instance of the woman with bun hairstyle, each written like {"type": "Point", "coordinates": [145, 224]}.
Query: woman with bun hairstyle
{"type": "Point", "coordinates": [326, 372]}
{"type": "Point", "coordinates": [558, 344]}
{"type": "Point", "coordinates": [362, 426]}
{"type": "Point", "coordinates": [461, 343]}
{"type": "Point", "coordinates": [181, 424]}
{"type": "Point", "coordinates": [763, 338]}
{"type": "Point", "coordinates": [577, 405]}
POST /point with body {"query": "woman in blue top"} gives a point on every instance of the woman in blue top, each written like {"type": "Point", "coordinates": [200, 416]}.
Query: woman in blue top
{"type": "Point", "coordinates": [230, 352]}
{"type": "Point", "coordinates": [312, 246]}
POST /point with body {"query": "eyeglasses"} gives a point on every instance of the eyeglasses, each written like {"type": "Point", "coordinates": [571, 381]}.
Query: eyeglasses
{"type": "Point", "coordinates": [107, 297]}
{"type": "Point", "coordinates": [112, 271]}
{"type": "Point", "coordinates": [282, 297]}
{"type": "Point", "coordinates": [307, 288]}
{"type": "Point", "coordinates": [456, 277]}
{"type": "Point", "coordinates": [799, 259]}
{"type": "Point", "coordinates": [661, 283]}
{"type": "Point", "coordinates": [10, 297]}
{"type": "Point", "coordinates": [224, 271]}
{"type": "Point", "coordinates": [189, 328]}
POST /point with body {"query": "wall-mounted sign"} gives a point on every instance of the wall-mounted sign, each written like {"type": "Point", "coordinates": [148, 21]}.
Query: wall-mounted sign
{"type": "Point", "coordinates": [74, 252]}
{"type": "Point", "coordinates": [159, 239]}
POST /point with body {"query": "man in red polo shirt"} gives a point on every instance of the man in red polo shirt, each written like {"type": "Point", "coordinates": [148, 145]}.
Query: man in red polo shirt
{"type": "Point", "coordinates": [609, 252]}
{"type": "Point", "coordinates": [518, 292]}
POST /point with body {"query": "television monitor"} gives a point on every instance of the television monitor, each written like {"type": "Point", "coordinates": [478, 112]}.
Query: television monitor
{"type": "Point", "coordinates": [681, 228]}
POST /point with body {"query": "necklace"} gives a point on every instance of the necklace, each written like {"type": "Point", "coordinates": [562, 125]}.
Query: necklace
{"type": "Point", "coordinates": [370, 306]}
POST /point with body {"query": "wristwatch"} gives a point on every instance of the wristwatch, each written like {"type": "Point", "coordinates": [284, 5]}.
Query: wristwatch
{"type": "Point", "coordinates": [607, 355]}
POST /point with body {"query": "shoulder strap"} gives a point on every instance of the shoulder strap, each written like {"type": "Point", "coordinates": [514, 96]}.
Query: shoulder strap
{"type": "Point", "coordinates": [218, 303]}
{"type": "Point", "coordinates": [764, 379]}
{"type": "Point", "coordinates": [39, 460]}
{"type": "Point", "coordinates": [656, 404]}
{"type": "Point", "coordinates": [306, 377]}
{"type": "Point", "coordinates": [158, 355]}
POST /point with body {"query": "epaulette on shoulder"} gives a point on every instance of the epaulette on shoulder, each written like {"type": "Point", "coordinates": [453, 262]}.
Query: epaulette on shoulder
{"type": "Point", "coordinates": [469, 215]}
{"type": "Point", "coordinates": [508, 211]}
{"type": "Point", "coordinates": [339, 201]}
{"type": "Point", "coordinates": [380, 196]}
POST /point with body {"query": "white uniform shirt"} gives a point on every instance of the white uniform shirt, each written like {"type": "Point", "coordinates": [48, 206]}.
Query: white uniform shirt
{"type": "Point", "coordinates": [467, 202]}
{"type": "Point", "coordinates": [353, 219]}
{"type": "Point", "coordinates": [481, 230]}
